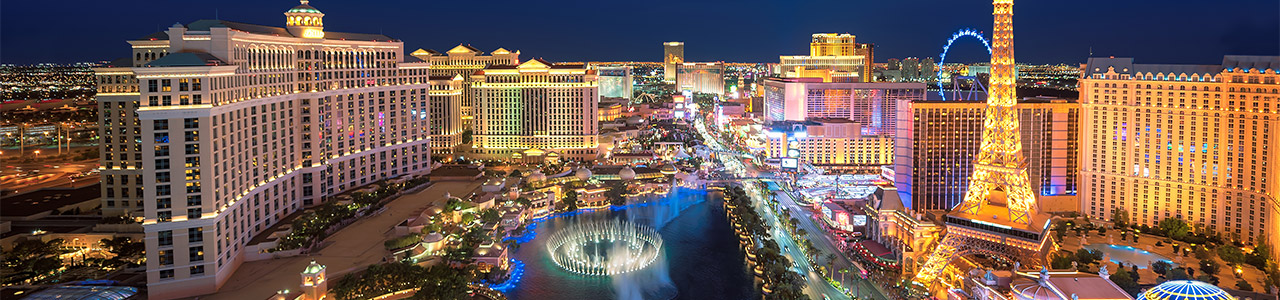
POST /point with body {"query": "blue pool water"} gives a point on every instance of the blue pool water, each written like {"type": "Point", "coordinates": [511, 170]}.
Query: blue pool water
{"type": "Point", "coordinates": [1129, 255]}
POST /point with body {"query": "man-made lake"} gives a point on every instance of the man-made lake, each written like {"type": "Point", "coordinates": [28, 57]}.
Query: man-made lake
{"type": "Point", "coordinates": [701, 259]}
{"type": "Point", "coordinates": [1129, 255]}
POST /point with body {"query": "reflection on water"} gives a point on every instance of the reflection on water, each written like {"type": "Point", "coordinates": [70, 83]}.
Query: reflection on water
{"type": "Point", "coordinates": [701, 258]}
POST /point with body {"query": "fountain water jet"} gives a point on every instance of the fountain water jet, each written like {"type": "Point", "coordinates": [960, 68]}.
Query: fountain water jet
{"type": "Point", "coordinates": [604, 248]}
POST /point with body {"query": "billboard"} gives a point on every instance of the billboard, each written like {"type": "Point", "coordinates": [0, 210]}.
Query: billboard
{"type": "Point", "coordinates": [790, 164]}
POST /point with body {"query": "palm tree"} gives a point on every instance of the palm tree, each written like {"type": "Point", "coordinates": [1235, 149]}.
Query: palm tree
{"type": "Point", "coordinates": [831, 261]}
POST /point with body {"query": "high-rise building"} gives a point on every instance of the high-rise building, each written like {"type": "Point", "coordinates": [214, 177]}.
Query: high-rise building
{"type": "Point", "coordinates": [235, 126]}
{"type": "Point", "coordinates": [928, 70]}
{"type": "Point", "coordinates": [910, 69]}
{"type": "Point", "coordinates": [935, 150]}
{"type": "Point", "coordinates": [465, 60]}
{"type": "Point", "coordinates": [615, 82]}
{"type": "Point", "coordinates": [701, 77]}
{"type": "Point", "coordinates": [672, 57]}
{"type": "Point", "coordinates": [121, 131]}
{"type": "Point", "coordinates": [831, 144]}
{"type": "Point", "coordinates": [846, 60]}
{"type": "Point", "coordinates": [872, 105]}
{"type": "Point", "coordinates": [445, 112]}
{"type": "Point", "coordinates": [1193, 142]}
{"type": "Point", "coordinates": [537, 110]}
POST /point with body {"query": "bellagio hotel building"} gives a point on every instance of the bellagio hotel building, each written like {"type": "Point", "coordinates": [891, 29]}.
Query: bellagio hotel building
{"type": "Point", "coordinates": [219, 129]}
{"type": "Point", "coordinates": [1194, 142]}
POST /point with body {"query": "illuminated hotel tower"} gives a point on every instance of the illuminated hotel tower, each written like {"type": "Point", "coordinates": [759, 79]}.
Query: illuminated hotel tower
{"type": "Point", "coordinates": [672, 57]}
{"type": "Point", "coordinates": [239, 125]}
{"type": "Point", "coordinates": [839, 55]}
{"type": "Point", "coordinates": [465, 60]}
{"type": "Point", "coordinates": [999, 214]}
{"type": "Point", "coordinates": [535, 111]}
{"type": "Point", "coordinates": [1191, 142]}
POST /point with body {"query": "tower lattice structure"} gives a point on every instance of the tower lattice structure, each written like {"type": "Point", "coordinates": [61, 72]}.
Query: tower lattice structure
{"type": "Point", "coordinates": [998, 216]}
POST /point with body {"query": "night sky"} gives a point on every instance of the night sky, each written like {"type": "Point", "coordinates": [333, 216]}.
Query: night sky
{"type": "Point", "coordinates": [1048, 31]}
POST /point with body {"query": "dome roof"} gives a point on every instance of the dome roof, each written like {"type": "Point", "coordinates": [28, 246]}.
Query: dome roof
{"type": "Point", "coordinates": [1032, 289]}
{"type": "Point", "coordinates": [627, 173]}
{"type": "Point", "coordinates": [669, 169]}
{"type": "Point", "coordinates": [1185, 290]}
{"type": "Point", "coordinates": [537, 176]}
{"type": "Point", "coordinates": [582, 173]}
{"type": "Point", "coordinates": [313, 268]}
{"type": "Point", "coordinates": [304, 8]}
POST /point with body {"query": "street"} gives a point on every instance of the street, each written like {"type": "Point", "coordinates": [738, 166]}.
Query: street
{"type": "Point", "coordinates": [816, 286]}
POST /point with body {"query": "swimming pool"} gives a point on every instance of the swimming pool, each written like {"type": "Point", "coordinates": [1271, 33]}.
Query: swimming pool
{"type": "Point", "coordinates": [1129, 255]}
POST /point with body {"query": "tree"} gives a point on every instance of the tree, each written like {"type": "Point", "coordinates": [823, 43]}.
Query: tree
{"type": "Point", "coordinates": [1244, 285]}
{"type": "Point", "coordinates": [570, 201]}
{"type": "Point", "coordinates": [524, 201]}
{"type": "Point", "coordinates": [516, 173]}
{"type": "Point", "coordinates": [1208, 278]}
{"type": "Point", "coordinates": [125, 249]}
{"type": "Point", "coordinates": [1120, 218]}
{"type": "Point", "coordinates": [1176, 274]}
{"type": "Point", "coordinates": [1124, 279]}
{"type": "Point", "coordinates": [1210, 267]}
{"type": "Point", "coordinates": [446, 283]}
{"type": "Point", "coordinates": [1230, 254]}
{"type": "Point", "coordinates": [1061, 261]}
{"type": "Point", "coordinates": [617, 193]}
{"type": "Point", "coordinates": [1161, 267]}
{"type": "Point", "coordinates": [1088, 257]}
{"type": "Point", "coordinates": [831, 261]}
{"type": "Point", "coordinates": [1174, 228]}
{"type": "Point", "coordinates": [490, 215]}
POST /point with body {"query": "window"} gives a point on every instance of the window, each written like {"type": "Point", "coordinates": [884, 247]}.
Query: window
{"type": "Point", "coordinates": [197, 270]}
{"type": "Point", "coordinates": [193, 162]}
{"type": "Point", "coordinates": [166, 274]}
{"type": "Point", "coordinates": [152, 86]}
{"type": "Point", "coordinates": [191, 136]}
{"type": "Point", "coordinates": [163, 203]}
{"type": "Point", "coordinates": [163, 190]}
{"type": "Point", "coordinates": [190, 123]}
{"type": "Point", "coordinates": [193, 149]}
{"type": "Point", "coordinates": [194, 200]}
{"type": "Point", "coordinates": [162, 177]}
{"type": "Point", "coordinates": [195, 235]}
{"type": "Point", "coordinates": [165, 237]}
{"type": "Point", "coordinates": [162, 150]}
{"type": "Point", "coordinates": [195, 86]}
{"type": "Point", "coordinates": [160, 125]}
{"type": "Point", "coordinates": [183, 84]}
{"type": "Point", "coordinates": [162, 164]}
{"type": "Point", "coordinates": [196, 253]}
{"type": "Point", "coordinates": [166, 257]}
{"type": "Point", "coordinates": [193, 213]}
{"type": "Point", "coordinates": [166, 85]}
{"type": "Point", "coordinates": [164, 216]}
{"type": "Point", "coordinates": [162, 137]}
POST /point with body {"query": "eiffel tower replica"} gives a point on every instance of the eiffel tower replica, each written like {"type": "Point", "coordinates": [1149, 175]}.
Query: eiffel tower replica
{"type": "Point", "coordinates": [999, 216]}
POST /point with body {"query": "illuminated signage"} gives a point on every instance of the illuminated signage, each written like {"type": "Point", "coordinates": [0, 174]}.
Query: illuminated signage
{"type": "Point", "coordinates": [790, 163]}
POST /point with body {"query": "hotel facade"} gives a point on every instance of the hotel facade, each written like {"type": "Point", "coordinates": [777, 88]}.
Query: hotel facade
{"type": "Point", "coordinates": [837, 55]}
{"type": "Point", "coordinates": [707, 78]}
{"type": "Point", "coordinates": [535, 111]}
{"type": "Point", "coordinates": [937, 143]}
{"type": "Point", "coordinates": [228, 127]}
{"type": "Point", "coordinates": [465, 60]}
{"type": "Point", "coordinates": [1193, 142]}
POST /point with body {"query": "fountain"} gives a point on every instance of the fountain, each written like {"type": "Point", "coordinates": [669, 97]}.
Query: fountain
{"type": "Point", "coordinates": [604, 248]}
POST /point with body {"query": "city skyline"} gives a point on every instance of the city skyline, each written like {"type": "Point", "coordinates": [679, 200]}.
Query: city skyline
{"type": "Point", "coordinates": [222, 158]}
{"type": "Point", "coordinates": [1143, 32]}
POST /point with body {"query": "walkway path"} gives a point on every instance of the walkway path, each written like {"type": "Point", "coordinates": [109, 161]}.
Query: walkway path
{"type": "Point", "coordinates": [351, 249]}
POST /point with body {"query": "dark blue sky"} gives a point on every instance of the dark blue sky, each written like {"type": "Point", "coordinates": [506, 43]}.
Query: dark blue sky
{"type": "Point", "coordinates": [1048, 31]}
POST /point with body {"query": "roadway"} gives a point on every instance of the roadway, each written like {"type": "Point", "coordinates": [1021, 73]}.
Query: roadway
{"type": "Point", "coordinates": [816, 286]}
